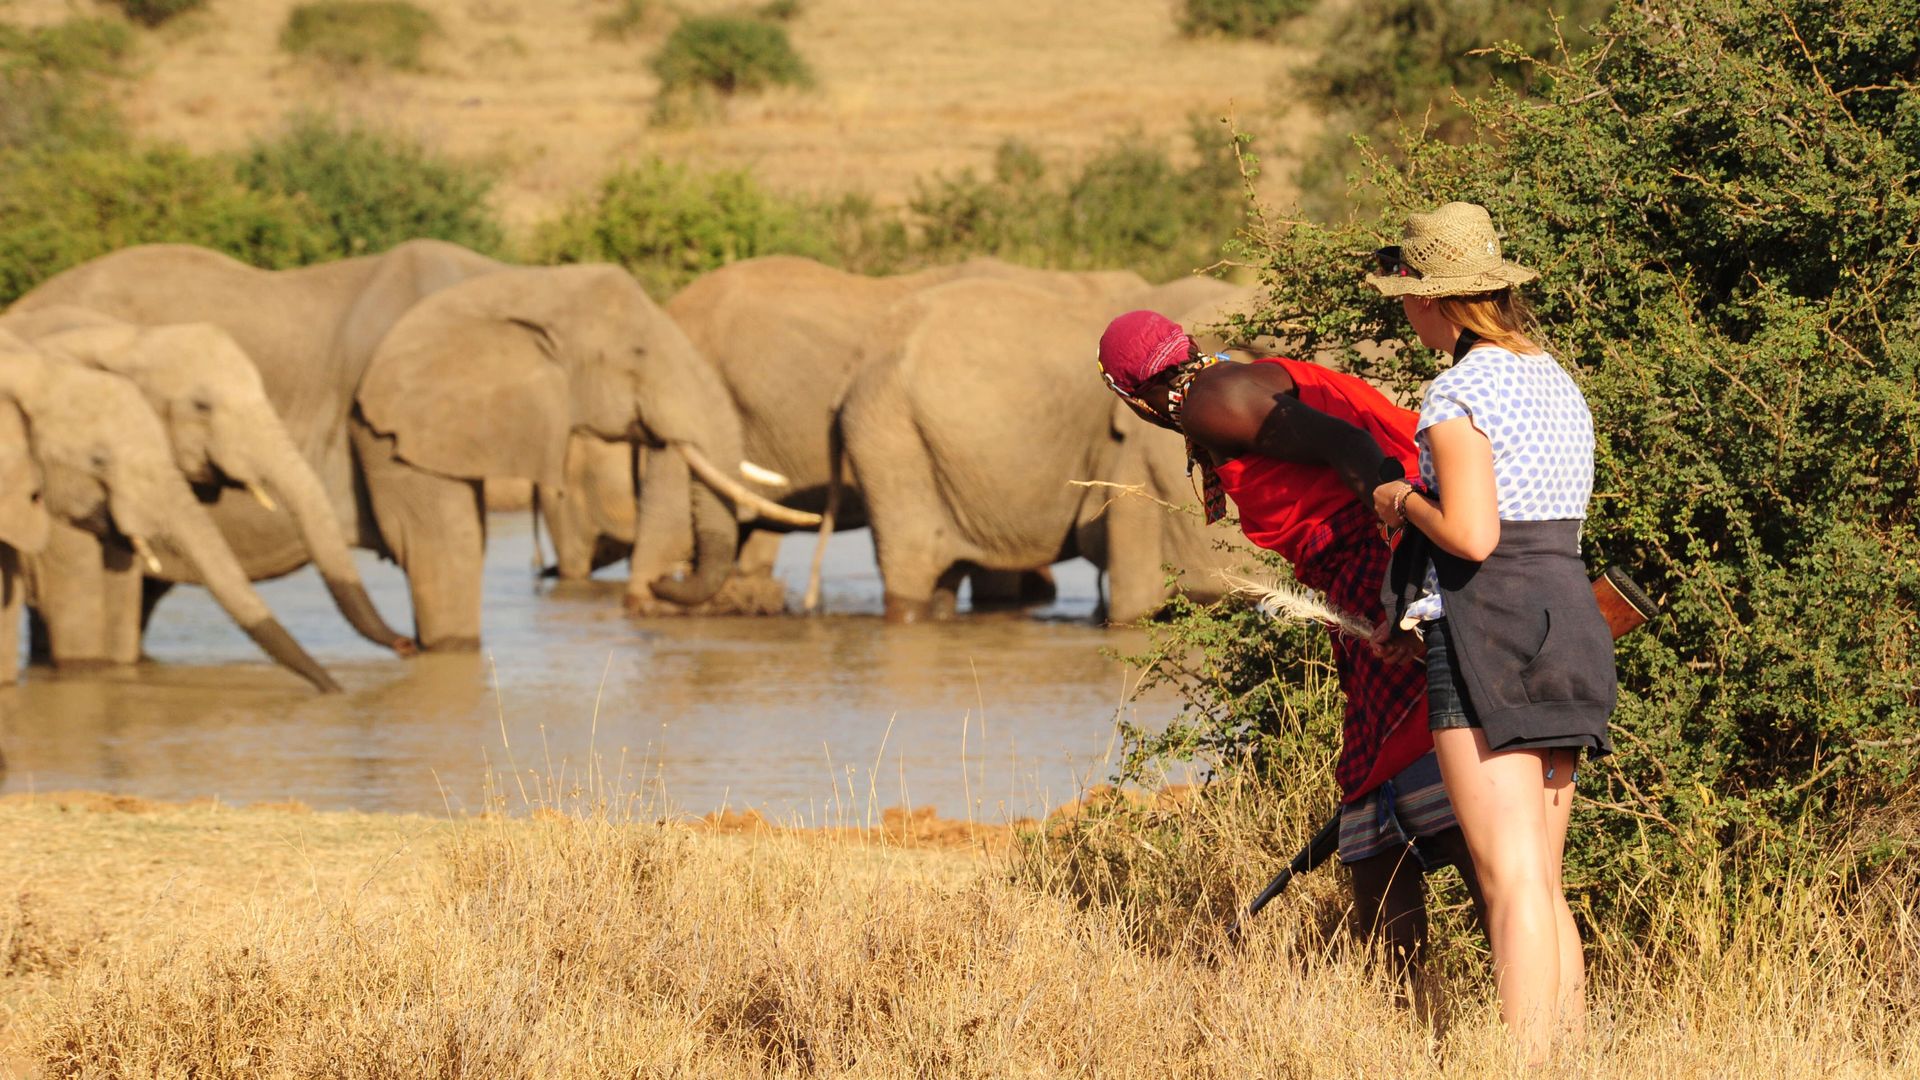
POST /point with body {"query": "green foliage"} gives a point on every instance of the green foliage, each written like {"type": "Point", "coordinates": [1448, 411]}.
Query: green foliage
{"type": "Point", "coordinates": [367, 191]}
{"type": "Point", "coordinates": [50, 83]}
{"type": "Point", "coordinates": [624, 21]}
{"type": "Point", "coordinates": [1259, 19]}
{"type": "Point", "coordinates": [62, 207]}
{"type": "Point", "coordinates": [73, 47]}
{"type": "Point", "coordinates": [1388, 64]}
{"type": "Point", "coordinates": [359, 33]}
{"type": "Point", "coordinates": [728, 54]}
{"type": "Point", "coordinates": [1129, 206]}
{"type": "Point", "coordinates": [1721, 197]}
{"type": "Point", "coordinates": [155, 12]}
{"type": "Point", "coordinates": [668, 224]}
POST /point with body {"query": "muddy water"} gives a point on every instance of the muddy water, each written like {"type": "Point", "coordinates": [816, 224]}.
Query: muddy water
{"type": "Point", "coordinates": [823, 719]}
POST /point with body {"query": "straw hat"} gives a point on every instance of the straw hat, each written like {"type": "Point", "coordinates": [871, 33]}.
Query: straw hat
{"type": "Point", "coordinates": [1451, 252]}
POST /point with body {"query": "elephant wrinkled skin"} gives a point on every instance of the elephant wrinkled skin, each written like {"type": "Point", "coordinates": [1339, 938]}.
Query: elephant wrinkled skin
{"type": "Point", "coordinates": [408, 379]}
{"type": "Point", "coordinates": [223, 429]}
{"type": "Point", "coordinates": [115, 498]}
{"type": "Point", "coordinates": [976, 410]}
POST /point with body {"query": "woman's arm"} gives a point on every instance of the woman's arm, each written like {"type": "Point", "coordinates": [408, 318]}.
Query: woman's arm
{"type": "Point", "coordinates": [1465, 521]}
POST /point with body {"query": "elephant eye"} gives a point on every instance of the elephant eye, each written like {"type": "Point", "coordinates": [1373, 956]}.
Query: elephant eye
{"type": "Point", "coordinates": [202, 406]}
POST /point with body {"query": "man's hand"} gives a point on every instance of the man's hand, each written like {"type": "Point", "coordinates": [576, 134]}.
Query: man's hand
{"type": "Point", "coordinates": [1397, 646]}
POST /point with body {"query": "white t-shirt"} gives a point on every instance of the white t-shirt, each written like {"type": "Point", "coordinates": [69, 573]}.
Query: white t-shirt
{"type": "Point", "coordinates": [1533, 414]}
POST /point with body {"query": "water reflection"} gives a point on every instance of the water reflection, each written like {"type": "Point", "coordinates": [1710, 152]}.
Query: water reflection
{"type": "Point", "coordinates": [807, 716]}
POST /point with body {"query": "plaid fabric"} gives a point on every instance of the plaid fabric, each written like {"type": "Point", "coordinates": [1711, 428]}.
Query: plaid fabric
{"type": "Point", "coordinates": [1346, 558]}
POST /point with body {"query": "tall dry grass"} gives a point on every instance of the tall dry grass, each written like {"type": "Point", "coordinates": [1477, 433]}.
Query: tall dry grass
{"type": "Point", "coordinates": [603, 943]}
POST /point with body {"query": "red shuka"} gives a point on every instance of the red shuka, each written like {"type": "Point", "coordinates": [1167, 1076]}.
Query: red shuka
{"type": "Point", "coordinates": [1307, 515]}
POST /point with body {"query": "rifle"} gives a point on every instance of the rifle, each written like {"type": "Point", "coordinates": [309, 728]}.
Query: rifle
{"type": "Point", "coordinates": [1624, 605]}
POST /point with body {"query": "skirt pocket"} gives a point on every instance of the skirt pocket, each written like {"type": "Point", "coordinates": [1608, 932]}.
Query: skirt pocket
{"type": "Point", "coordinates": [1558, 672]}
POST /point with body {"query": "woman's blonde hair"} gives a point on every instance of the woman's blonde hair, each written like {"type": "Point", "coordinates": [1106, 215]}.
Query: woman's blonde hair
{"type": "Point", "coordinates": [1501, 318]}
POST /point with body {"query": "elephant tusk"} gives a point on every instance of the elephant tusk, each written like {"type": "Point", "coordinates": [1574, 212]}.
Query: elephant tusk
{"type": "Point", "coordinates": [763, 476]}
{"type": "Point", "coordinates": [738, 493]}
{"type": "Point", "coordinates": [146, 554]}
{"type": "Point", "coordinates": [260, 496]}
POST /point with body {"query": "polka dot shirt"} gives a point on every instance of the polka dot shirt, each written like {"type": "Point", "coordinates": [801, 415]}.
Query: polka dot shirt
{"type": "Point", "coordinates": [1532, 413]}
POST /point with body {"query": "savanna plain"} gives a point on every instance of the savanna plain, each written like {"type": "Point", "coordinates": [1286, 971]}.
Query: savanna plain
{"type": "Point", "coordinates": [569, 925]}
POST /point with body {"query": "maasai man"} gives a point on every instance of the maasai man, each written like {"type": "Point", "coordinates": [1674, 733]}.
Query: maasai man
{"type": "Point", "coordinates": [1299, 449]}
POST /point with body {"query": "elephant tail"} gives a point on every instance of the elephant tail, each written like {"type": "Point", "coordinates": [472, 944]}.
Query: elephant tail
{"type": "Point", "coordinates": [836, 460]}
{"type": "Point", "coordinates": [539, 556]}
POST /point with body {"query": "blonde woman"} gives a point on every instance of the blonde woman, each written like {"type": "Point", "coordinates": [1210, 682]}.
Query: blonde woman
{"type": "Point", "coordinates": [1520, 676]}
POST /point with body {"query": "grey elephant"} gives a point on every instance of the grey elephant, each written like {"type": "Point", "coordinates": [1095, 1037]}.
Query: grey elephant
{"type": "Point", "coordinates": [104, 466]}
{"type": "Point", "coordinates": [223, 429]}
{"type": "Point", "coordinates": [977, 410]}
{"type": "Point", "coordinates": [411, 378]}
{"type": "Point", "coordinates": [785, 334]}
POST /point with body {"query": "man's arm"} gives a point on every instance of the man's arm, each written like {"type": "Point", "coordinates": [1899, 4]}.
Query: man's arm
{"type": "Point", "coordinates": [1251, 409]}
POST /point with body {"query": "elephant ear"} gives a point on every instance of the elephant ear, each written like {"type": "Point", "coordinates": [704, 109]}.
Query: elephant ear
{"type": "Point", "coordinates": [23, 516]}
{"type": "Point", "coordinates": [469, 392]}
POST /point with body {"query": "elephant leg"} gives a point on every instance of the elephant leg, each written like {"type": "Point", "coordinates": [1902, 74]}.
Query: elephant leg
{"type": "Point", "coordinates": [663, 530]}
{"type": "Point", "coordinates": [435, 528]}
{"type": "Point", "coordinates": [152, 591]}
{"type": "Point", "coordinates": [995, 589]}
{"type": "Point", "coordinates": [758, 552]}
{"type": "Point", "coordinates": [13, 591]}
{"type": "Point", "coordinates": [123, 603]}
{"type": "Point", "coordinates": [945, 601]}
{"type": "Point", "coordinates": [1136, 580]}
{"type": "Point", "coordinates": [70, 591]}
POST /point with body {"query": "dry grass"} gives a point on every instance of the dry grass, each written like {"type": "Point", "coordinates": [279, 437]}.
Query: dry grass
{"type": "Point", "coordinates": [906, 88]}
{"type": "Point", "coordinates": [216, 943]}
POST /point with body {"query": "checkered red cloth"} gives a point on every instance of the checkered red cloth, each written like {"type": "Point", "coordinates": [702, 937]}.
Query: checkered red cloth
{"type": "Point", "coordinates": [1385, 729]}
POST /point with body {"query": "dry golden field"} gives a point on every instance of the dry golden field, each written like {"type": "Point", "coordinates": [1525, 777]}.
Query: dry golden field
{"type": "Point", "coordinates": [906, 88]}
{"type": "Point", "coordinates": [148, 940]}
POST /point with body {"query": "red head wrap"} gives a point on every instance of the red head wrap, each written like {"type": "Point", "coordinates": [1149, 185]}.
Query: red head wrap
{"type": "Point", "coordinates": [1139, 345]}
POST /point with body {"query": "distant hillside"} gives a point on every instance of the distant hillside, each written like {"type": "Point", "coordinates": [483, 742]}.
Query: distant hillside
{"type": "Point", "coordinates": [906, 88]}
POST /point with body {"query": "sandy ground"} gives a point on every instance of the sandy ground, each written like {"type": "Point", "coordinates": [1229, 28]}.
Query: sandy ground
{"type": "Point", "coordinates": [906, 88]}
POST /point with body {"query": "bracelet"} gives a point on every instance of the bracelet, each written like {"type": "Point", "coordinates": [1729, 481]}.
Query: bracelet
{"type": "Point", "coordinates": [1400, 502]}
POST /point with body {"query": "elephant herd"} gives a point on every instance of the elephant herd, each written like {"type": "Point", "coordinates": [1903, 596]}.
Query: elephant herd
{"type": "Point", "coordinates": [169, 415]}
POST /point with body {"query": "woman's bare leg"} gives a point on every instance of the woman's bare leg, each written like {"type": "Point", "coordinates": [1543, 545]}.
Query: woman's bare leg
{"type": "Point", "coordinates": [1500, 799]}
{"type": "Point", "coordinates": [1572, 995]}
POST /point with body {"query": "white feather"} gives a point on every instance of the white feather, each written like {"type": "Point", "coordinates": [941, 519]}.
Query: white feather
{"type": "Point", "coordinates": [1291, 601]}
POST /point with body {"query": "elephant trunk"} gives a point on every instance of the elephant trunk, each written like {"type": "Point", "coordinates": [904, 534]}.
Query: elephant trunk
{"type": "Point", "coordinates": [294, 481]}
{"type": "Point", "coordinates": [192, 531]}
{"type": "Point", "coordinates": [716, 542]}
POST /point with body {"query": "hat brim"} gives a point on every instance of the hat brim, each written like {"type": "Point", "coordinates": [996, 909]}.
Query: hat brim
{"type": "Point", "coordinates": [1506, 275]}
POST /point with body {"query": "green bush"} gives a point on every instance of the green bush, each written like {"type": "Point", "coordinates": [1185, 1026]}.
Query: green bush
{"type": "Point", "coordinates": [623, 22]}
{"type": "Point", "coordinates": [1259, 19]}
{"type": "Point", "coordinates": [367, 191]}
{"type": "Point", "coordinates": [728, 55]}
{"type": "Point", "coordinates": [1393, 63]}
{"type": "Point", "coordinates": [360, 33]}
{"type": "Point", "coordinates": [155, 12]}
{"type": "Point", "coordinates": [50, 92]}
{"type": "Point", "coordinates": [668, 224]}
{"type": "Point", "coordinates": [1130, 206]}
{"type": "Point", "coordinates": [1721, 198]}
{"type": "Point", "coordinates": [62, 207]}
{"type": "Point", "coordinates": [73, 47]}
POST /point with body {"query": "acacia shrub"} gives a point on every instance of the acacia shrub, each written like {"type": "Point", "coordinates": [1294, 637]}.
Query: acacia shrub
{"type": "Point", "coordinates": [1721, 197]}
{"type": "Point", "coordinates": [1259, 19]}
{"type": "Point", "coordinates": [60, 207]}
{"type": "Point", "coordinates": [729, 54]}
{"type": "Point", "coordinates": [155, 12]}
{"type": "Point", "coordinates": [668, 224]}
{"type": "Point", "coordinates": [366, 190]}
{"type": "Point", "coordinates": [360, 33]}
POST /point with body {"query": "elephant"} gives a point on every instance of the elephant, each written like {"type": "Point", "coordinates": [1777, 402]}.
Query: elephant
{"type": "Point", "coordinates": [223, 429]}
{"type": "Point", "coordinates": [104, 465]}
{"type": "Point", "coordinates": [411, 378]}
{"type": "Point", "coordinates": [785, 334]}
{"type": "Point", "coordinates": [975, 411]}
